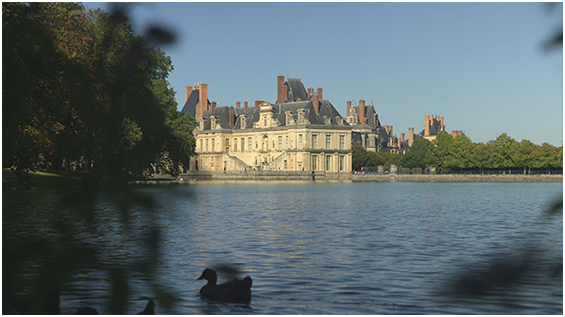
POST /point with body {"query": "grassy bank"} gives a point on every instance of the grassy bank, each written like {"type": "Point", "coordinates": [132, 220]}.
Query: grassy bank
{"type": "Point", "coordinates": [41, 180]}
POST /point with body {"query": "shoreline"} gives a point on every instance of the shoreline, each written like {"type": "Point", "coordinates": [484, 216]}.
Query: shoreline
{"type": "Point", "coordinates": [340, 177]}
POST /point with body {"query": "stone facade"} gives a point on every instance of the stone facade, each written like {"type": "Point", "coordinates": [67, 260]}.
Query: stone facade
{"type": "Point", "coordinates": [300, 132]}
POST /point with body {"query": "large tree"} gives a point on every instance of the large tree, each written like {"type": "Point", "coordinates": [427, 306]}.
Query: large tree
{"type": "Point", "coordinates": [81, 90]}
{"type": "Point", "coordinates": [416, 156]}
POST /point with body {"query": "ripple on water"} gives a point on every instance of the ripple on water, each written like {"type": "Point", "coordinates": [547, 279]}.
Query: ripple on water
{"type": "Point", "coordinates": [333, 248]}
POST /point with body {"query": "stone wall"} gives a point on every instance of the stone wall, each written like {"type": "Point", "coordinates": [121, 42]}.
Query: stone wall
{"type": "Point", "coordinates": [320, 176]}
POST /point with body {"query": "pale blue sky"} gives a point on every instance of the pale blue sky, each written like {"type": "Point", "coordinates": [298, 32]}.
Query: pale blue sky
{"type": "Point", "coordinates": [479, 65]}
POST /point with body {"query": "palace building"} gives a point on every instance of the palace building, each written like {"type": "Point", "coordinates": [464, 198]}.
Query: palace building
{"type": "Point", "coordinates": [301, 131]}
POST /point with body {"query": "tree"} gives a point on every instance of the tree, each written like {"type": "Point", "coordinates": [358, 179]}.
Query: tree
{"type": "Point", "coordinates": [548, 157]}
{"type": "Point", "coordinates": [480, 156]}
{"type": "Point", "coordinates": [525, 154]}
{"type": "Point", "coordinates": [461, 153]}
{"type": "Point", "coordinates": [81, 90]}
{"type": "Point", "coordinates": [416, 157]}
{"type": "Point", "coordinates": [502, 151]}
{"type": "Point", "coordinates": [441, 153]}
{"type": "Point", "coordinates": [359, 157]}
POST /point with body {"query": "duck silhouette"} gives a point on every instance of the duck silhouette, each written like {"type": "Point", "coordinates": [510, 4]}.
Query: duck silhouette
{"type": "Point", "coordinates": [234, 291]}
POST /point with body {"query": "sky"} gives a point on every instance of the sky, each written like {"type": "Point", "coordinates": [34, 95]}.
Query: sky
{"type": "Point", "coordinates": [481, 66]}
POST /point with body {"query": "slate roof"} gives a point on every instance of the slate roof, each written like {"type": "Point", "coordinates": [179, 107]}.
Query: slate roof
{"type": "Point", "coordinates": [190, 104]}
{"type": "Point", "coordinates": [371, 115]}
{"type": "Point", "coordinates": [295, 90]}
{"type": "Point", "coordinates": [327, 116]}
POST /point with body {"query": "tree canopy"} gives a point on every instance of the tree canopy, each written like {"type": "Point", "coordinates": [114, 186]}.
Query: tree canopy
{"type": "Point", "coordinates": [81, 91]}
{"type": "Point", "coordinates": [446, 153]}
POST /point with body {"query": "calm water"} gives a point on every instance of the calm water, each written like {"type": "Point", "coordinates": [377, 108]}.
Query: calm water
{"type": "Point", "coordinates": [333, 248]}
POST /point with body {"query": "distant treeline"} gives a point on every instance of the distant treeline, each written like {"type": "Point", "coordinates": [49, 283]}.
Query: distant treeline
{"type": "Point", "coordinates": [81, 91]}
{"type": "Point", "coordinates": [446, 153]}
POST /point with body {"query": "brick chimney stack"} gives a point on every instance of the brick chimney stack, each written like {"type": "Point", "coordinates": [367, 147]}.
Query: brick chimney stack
{"type": "Point", "coordinates": [258, 102]}
{"type": "Point", "coordinates": [427, 123]}
{"type": "Point", "coordinates": [187, 92]}
{"type": "Point", "coordinates": [320, 93]}
{"type": "Point", "coordinates": [362, 118]}
{"type": "Point", "coordinates": [232, 117]}
{"type": "Point", "coordinates": [212, 106]}
{"type": "Point", "coordinates": [203, 102]}
{"type": "Point", "coordinates": [280, 89]}
{"type": "Point", "coordinates": [245, 105]}
{"type": "Point", "coordinates": [348, 107]}
{"type": "Point", "coordinates": [402, 137]}
{"type": "Point", "coordinates": [310, 91]}
{"type": "Point", "coordinates": [238, 104]}
{"type": "Point", "coordinates": [410, 136]}
{"type": "Point", "coordinates": [316, 103]}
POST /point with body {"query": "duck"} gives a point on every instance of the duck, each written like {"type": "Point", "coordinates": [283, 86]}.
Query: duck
{"type": "Point", "coordinates": [234, 291]}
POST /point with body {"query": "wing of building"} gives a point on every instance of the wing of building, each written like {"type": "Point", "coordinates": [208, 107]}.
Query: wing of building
{"type": "Point", "coordinates": [301, 131]}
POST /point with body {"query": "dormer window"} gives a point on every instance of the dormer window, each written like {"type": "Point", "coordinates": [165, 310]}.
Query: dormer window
{"type": "Point", "coordinates": [243, 120]}
{"type": "Point", "coordinates": [300, 115]}
{"type": "Point", "coordinates": [212, 123]}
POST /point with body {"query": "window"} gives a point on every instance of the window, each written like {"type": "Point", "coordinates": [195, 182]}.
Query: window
{"type": "Point", "coordinates": [213, 145]}
{"type": "Point", "coordinates": [242, 144]}
{"type": "Point", "coordinates": [300, 141]}
{"type": "Point", "coordinates": [287, 142]}
{"type": "Point", "coordinates": [314, 141]}
{"type": "Point", "coordinates": [314, 161]}
{"type": "Point", "coordinates": [341, 162]}
{"type": "Point", "coordinates": [265, 121]}
{"type": "Point", "coordinates": [201, 149]}
{"type": "Point", "coordinates": [280, 142]}
{"type": "Point", "coordinates": [206, 145]}
{"type": "Point", "coordinates": [328, 162]}
{"type": "Point", "coordinates": [249, 144]}
{"type": "Point", "coordinates": [285, 165]}
{"type": "Point", "coordinates": [342, 142]}
{"type": "Point", "coordinates": [328, 141]}
{"type": "Point", "coordinates": [227, 143]}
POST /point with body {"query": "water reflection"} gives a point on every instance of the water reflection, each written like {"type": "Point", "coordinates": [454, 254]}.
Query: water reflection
{"type": "Point", "coordinates": [324, 248]}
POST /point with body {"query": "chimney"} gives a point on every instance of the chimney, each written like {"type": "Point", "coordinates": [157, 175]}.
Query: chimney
{"type": "Point", "coordinates": [410, 136]}
{"type": "Point", "coordinates": [316, 103]}
{"type": "Point", "coordinates": [348, 107]}
{"type": "Point", "coordinates": [212, 106]}
{"type": "Point", "coordinates": [402, 137]}
{"type": "Point", "coordinates": [232, 117]}
{"type": "Point", "coordinates": [310, 91]}
{"type": "Point", "coordinates": [258, 102]}
{"type": "Point", "coordinates": [204, 97]}
{"type": "Point", "coordinates": [280, 89]}
{"type": "Point", "coordinates": [320, 93]}
{"type": "Point", "coordinates": [245, 105]}
{"type": "Point", "coordinates": [441, 122]}
{"type": "Point", "coordinates": [427, 125]}
{"type": "Point", "coordinates": [187, 92]}
{"type": "Point", "coordinates": [362, 118]}
{"type": "Point", "coordinates": [454, 133]}
{"type": "Point", "coordinates": [238, 104]}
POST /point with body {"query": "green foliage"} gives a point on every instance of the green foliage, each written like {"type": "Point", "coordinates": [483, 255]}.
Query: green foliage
{"type": "Point", "coordinates": [81, 91]}
{"type": "Point", "coordinates": [448, 153]}
{"type": "Point", "coordinates": [416, 157]}
{"type": "Point", "coordinates": [501, 152]}
{"type": "Point", "coordinates": [362, 158]}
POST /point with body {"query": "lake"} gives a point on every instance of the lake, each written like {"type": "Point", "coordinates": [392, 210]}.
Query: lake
{"type": "Point", "coordinates": [329, 248]}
